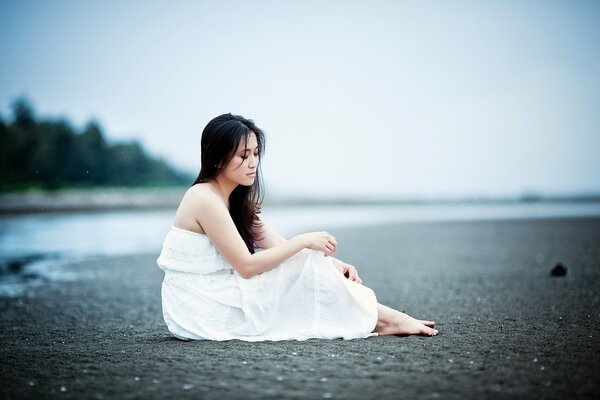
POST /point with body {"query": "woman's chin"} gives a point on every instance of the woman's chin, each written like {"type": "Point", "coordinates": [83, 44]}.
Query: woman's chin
{"type": "Point", "coordinates": [247, 181]}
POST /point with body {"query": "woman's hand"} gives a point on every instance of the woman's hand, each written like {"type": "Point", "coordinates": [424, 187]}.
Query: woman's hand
{"type": "Point", "coordinates": [349, 271]}
{"type": "Point", "coordinates": [321, 241]}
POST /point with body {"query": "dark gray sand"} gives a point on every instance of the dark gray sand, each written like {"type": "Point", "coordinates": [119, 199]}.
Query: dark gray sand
{"type": "Point", "coordinates": [507, 327]}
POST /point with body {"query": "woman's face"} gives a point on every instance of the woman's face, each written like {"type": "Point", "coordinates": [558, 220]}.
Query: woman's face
{"type": "Point", "coordinates": [244, 162]}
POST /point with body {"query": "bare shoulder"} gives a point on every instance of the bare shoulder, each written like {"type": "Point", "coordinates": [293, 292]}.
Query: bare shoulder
{"type": "Point", "coordinates": [196, 200]}
{"type": "Point", "coordinates": [199, 191]}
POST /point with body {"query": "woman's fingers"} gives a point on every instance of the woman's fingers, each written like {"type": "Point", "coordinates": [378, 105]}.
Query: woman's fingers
{"type": "Point", "coordinates": [330, 245]}
{"type": "Point", "coordinates": [333, 240]}
{"type": "Point", "coordinates": [350, 272]}
{"type": "Point", "coordinates": [329, 249]}
{"type": "Point", "coordinates": [321, 241]}
{"type": "Point", "coordinates": [353, 275]}
{"type": "Point", "coordinates": [333, 243]}
{"type": "Point", "coordinates": [356, 277]}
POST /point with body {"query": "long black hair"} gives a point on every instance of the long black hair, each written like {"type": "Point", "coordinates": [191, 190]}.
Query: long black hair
{"type": "Point", "coordinates": [220, 140]}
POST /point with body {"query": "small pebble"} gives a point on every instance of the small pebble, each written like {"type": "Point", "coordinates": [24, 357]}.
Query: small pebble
{"type": "Point", "coordinates": [188, 386]}
{"type": "Point", "coordinates": [63, 388]}
{"type": "Point", "coordinates": [327, 395]}
{"type": "Point", "coordinates": [559, 270]}
{"type": "Point", "coordinates": [280, 378]}
{"type": "Point", "coordinates": [293, 353]}
{"type": "Point", "coordinates": [136, 378]}
{"type": "Point", "coordinates": [535, 360]}
{"type": "Point", "coordinates": [244, 362]}
{"type": "Point", "coordinates": [323, 379]}
{"type": "Point", "coordinates": [450, 360]}
{"type": "Point", "coordinates": [31, 383]}
{"type": "Point", "coordinates": [155, 380]}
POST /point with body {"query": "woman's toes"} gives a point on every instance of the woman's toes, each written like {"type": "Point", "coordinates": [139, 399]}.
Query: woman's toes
{"type": "Point", "coordinates": [432, 332]}
{"type": "Point", "coordinates": [428, 323]}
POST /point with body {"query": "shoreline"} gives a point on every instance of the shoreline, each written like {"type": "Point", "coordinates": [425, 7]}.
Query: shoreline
{"type": "Point", "coordinates": [110, 199]}
{"type": "Point", "coordinates": [507, 327]}
{"type": "Point", "coordinates": [117, 199]}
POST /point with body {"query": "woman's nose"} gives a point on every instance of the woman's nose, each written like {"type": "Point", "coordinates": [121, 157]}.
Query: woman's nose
{"type": "Point", "coordinates": [253, 161]}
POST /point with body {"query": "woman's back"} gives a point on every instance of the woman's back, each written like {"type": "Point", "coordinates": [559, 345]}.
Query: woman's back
{"type": "Point", "coordinates": [191, 207]}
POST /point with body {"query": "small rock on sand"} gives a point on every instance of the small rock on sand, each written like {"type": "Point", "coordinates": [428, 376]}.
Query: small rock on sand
{"type": "Point", "coordinates": [559, 270]}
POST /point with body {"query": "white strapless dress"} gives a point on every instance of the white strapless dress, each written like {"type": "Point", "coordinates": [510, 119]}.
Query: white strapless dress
{"type": "Point", "coordinates": [305, 297]}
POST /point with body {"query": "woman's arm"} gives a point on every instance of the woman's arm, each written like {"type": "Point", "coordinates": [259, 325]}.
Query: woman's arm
{"type": "Point", "coordinates": [214, 218]}
{"type": "Point", "coordinates": [272, 239]}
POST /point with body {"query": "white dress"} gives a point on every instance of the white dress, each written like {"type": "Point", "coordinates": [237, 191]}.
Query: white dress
{"type": "Point", "coordinates": [304, 297]}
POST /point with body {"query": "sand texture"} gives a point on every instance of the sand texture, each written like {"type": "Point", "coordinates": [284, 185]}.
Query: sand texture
{"type": "Point", "coordinates": [507, 327]}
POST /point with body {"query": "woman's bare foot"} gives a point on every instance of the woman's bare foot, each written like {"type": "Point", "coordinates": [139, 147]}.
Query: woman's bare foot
{"type": "Point", "coordinates": [403, 324]}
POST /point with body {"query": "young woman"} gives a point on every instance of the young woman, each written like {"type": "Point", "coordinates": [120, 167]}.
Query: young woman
{"type": "Point", "coordinates": [229, 275]}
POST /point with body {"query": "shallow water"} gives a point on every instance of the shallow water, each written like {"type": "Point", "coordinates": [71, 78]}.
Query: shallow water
{"type": "Point", "coordinates": [33, 247]}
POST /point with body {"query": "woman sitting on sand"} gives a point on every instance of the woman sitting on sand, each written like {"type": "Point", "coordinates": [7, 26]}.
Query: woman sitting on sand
{"type": "Point", "coordinates": [229, 275]}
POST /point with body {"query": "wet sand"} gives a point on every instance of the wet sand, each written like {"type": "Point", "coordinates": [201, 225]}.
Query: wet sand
{"type": "Point", "coordinates": [507, 327]}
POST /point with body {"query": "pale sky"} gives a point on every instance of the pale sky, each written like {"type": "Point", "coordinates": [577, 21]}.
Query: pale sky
{"type": "Point", "coordinates": [356, 98]}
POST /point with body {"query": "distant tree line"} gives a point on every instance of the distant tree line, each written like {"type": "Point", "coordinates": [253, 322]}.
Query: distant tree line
{"type": "Point", "coordinates": [51, 154]}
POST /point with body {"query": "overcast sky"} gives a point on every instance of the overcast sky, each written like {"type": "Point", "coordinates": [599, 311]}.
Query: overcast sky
{"type": "Point", "coordinates": [356, 98]}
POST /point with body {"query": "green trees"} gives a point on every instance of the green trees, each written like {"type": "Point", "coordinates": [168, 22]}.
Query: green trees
{"type": "Point", "coordinates": [51, 154]}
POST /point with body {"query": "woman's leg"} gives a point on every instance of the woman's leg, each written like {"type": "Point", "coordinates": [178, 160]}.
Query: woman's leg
{"type": "Point", "coordinates": [393, 322]}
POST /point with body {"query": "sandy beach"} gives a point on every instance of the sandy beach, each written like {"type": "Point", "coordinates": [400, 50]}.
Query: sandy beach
{"type": "Point", "coordinates": [507, 327]}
